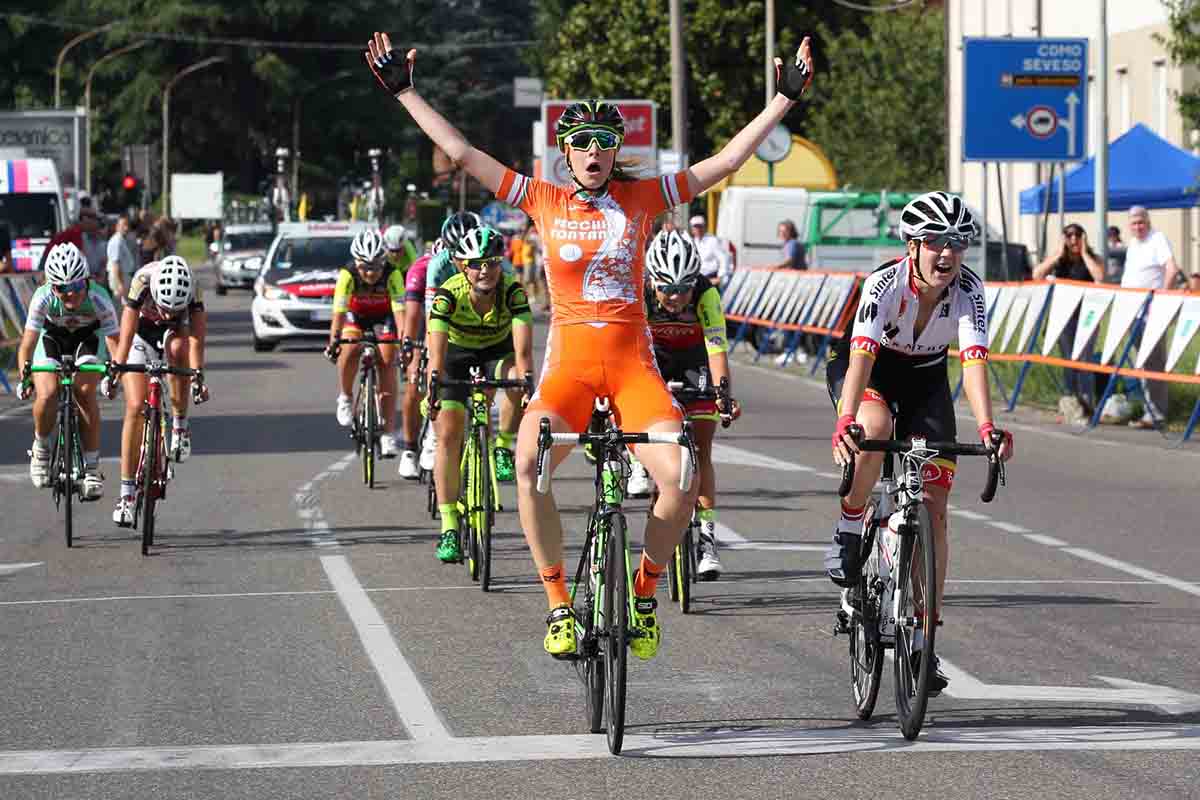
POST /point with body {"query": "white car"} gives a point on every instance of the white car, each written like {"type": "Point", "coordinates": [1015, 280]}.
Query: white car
{"type": "Point", "coordinates": [293, 294]}
{"type": "Point", "coordinates": [239, 255]}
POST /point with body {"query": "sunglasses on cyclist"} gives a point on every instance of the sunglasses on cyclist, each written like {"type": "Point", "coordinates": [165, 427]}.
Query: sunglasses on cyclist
{"type": "Point", "coordinates": [582, 138]}
{"type": "Point", "coordinates": [71, 288]}
{"type": "Point", "coordinates": [675, 288]}
{"type": "Point", "coordinates": [941, 241]}
{"type": "Point", "coordinates": [475, 264]}
{"type": "Point", "coordinates": [368, 266]}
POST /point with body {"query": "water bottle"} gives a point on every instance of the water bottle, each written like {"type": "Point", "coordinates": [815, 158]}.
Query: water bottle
{"type": "Point", "coordinates": [891, 541]}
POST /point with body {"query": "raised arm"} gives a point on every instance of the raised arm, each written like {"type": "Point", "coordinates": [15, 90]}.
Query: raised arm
{"type": "Point", "coordinates": [793, 79]}
{"type": "Point", "coordinates": [395, 75]}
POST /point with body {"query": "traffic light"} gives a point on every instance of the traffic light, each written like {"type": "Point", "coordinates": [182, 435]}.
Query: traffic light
{"type": "Point", "coordinates": [131, 190]}
{"type": "Point", "coordinates": [129, 183]}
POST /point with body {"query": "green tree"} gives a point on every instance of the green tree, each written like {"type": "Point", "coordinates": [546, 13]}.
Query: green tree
{"type": "Point", "coordinates": [1183, 45]}
{"type": "Point", "coordinates": [879, 112]}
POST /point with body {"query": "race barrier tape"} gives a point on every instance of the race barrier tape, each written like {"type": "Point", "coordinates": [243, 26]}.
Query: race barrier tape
{"type": "Point", "coordinates": [16, 291]}
{"type": "Point", "coordinates": [1026, 321]}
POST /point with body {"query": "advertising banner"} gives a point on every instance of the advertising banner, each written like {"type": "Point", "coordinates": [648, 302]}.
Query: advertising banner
{"type": "Point", "coordinates": [60, 135]}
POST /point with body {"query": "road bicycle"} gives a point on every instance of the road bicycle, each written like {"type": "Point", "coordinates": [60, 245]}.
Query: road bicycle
{"type": "Point", "coordinates": [368, 411]}
{"type": "Point", "coordinates": [66, 454]}
{"type": "Point", "coordinates": [424, 476]}
{"type": "Point", "coordinates": [682, 569]}
{"type": "Point", "coordinates": [602, 591]}
{"type": "Point", "coordinates": [154, 469]}
{"type": "Point", "coordinates": [479, 491]}
{"type": "Point", "coordinates": [888, 607]}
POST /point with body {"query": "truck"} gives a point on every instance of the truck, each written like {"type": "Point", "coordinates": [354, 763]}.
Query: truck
{"type": "Point", "coordinates": [31, 209]}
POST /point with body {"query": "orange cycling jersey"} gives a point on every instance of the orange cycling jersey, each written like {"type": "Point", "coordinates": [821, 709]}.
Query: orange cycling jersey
{"type": "Point", "coordinates": [594, 247]}
{"type": "Point", "coordinates": [599, 343]}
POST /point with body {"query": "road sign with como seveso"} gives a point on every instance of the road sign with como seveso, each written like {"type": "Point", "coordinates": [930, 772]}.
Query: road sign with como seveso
{"type": "Point", "coordinates": [1025, 99]}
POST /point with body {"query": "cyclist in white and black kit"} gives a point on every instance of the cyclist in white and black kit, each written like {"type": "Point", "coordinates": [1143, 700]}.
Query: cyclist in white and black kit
{"type": "Point", "coordinates": [909, 313]}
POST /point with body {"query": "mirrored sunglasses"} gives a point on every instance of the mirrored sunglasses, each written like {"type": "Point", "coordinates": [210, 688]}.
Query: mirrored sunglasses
{"type": "Point", "coordinates": [480, 263]}
{"type": "Point", "coordinates": [71, 288]}
{"type": "Point", "coordinates": [940, 242]}
{"type": "Point", "coordinates": [675, 288]}
{"type": "Point", "coordinates": [369, 266]}
{"type": "Point", "coordinates": [582, 139]}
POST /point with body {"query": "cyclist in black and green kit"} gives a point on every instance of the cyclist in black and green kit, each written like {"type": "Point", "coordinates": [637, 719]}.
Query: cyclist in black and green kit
{"type": "Point", "coordinates": [479, 317]}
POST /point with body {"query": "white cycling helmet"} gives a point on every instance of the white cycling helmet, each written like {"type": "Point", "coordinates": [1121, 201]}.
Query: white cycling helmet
{"type": "Point", "coordinates": [672, 260]}
{"type": "Point", "coordinates": [394, 236]}
{"type": "Point", "coordinates": [482, 242]}
{"type": "Point", "coordinates": [437, 246]}
{"type": "Point", "coordinates": [172, 287]}
{"type": "Point", "coordinates": [367, 246]}
{"type": "Point", "coordinates": [456, 225]}
{"type": "Point", "coordinates": [937, 214]}
{"type": "Point", "coordinates": [65, 264]}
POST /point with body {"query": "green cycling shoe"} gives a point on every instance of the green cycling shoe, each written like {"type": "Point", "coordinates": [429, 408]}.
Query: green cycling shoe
{"type": "Point", "coordinates": [560, 632]}
{"type": "Point", "coordinates": [644, 627]}
{"type": "Point", "coordinates": [502, 459]}
{"type": "Point", "coordinates": [448, 551]}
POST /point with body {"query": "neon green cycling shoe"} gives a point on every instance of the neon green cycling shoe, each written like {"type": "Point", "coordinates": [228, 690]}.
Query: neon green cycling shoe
{"type": "Point", "coordinates": [503, 460]}
{"type": "Point", "coordinates": [644, 628]}
{"type": "Point", "coordinates": [560, 633]}
{"type": "Point", "coordinates": [448, 551]}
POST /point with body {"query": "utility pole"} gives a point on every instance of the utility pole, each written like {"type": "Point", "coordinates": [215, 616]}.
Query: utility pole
{"type": "Point", "coordinates": [1101, 185]}
{"type": "Point", "coordinates": [63, 54]}
{"type": "Point", "coordinates": [678, 100]}
{"type": "Point", "coordinates": [770, 56]}
{"type": "Point", "coordinates": [166, 110]}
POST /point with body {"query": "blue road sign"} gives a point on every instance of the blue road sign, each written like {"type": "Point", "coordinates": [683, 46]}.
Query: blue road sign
{"type": "Point", "coordinates": [1025, 99]}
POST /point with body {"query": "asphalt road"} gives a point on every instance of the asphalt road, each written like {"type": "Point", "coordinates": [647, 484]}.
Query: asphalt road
{"type": "Point", "coordinates": [293, 636]}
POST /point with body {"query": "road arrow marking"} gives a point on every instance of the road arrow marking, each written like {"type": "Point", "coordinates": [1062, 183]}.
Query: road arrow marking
{"type": "Point", "coordinates": [964, 686]}
{"type": "Point", "coordinates": [9, 569]}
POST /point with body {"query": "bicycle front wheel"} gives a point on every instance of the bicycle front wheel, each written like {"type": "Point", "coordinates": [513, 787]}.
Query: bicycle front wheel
{"type": "Point", "coordinates": [469, 541]}
{"type": "Point", "coordinates": [63, 468]}
{"type": "Point", "coordinates": [370, 423]}
{"type": "Point", "coordinates": [485, 514]}
{"type": "Point", "coordinates": [866, 649]}
{"type": "Point", "coordinates": [151, 447]}
{"type": "Point", "coordinates": [916, 579]}
{"type": "Point", "coordinates": [616, 621]}
{"type": "Point", "coordinates": [593, 660]}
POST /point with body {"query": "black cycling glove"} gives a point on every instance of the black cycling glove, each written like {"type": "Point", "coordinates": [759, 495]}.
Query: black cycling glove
{"type": "Point", "coordinates": [393, 70]}
{"type": "Point", "coordinates": [792, 77]}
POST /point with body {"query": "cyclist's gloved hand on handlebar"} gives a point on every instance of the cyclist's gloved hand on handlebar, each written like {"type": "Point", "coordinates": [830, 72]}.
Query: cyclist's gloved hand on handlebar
{"type": "Point", "coordinates": [25, 389]}
{"type": "Point", "coordinates": [844, 445]}
{"type": "Point", "coordinates": [200, 392]}
{"type": "Point", "coordinates": [108, 386]}
{"type": "Point", "coordinates": [987, 429]}
{"type": "Point", "coordinates": [332, 350]}
{"type": "Point", "coordinates": [735, 410]}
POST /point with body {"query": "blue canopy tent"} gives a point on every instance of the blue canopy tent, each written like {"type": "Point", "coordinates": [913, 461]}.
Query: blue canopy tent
{"type": "Point", "coordinates": [1143, 170]}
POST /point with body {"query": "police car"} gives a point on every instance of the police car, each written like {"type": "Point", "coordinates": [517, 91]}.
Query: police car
{"type": "Point", "coordinates": [239, 255]}
{"type": "Point", "coordinates": [293, 294]}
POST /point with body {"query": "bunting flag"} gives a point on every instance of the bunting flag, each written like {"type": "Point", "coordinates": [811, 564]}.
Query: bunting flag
{"type": "Point", "coordinates": [807, 285]}
{"type": "Point", "coordinates": [841, 295]}
{"type": "Point", "coordinates": [1004, 299]}
{"type": "Point", "coordinates": [731, 290]}
{"type": "Point", "coordinates": [1015, 313]}
{"type": "Point", "coordinates": [1038, 295]}
{"type": "Point", "coordinates": [990, 292]}
{"type": "Point", "coordinates": [1063, 303]}
{"type": "Point", "coordinates": [808, 308]}
{"type": "Point", "coordinates": [1162, 311]}
{"type": "Point", "coordinates": [1091, 311]}
{"type": "Point", "coordinates": [1126, 306]}
{"type": "Point", "coordinates": [1185, 329]}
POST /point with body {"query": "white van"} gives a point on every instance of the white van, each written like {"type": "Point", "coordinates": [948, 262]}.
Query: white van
{"type": "Point", "coordinates": [749, 216]}
{"type": "Point", "coordinates": [31, 208]}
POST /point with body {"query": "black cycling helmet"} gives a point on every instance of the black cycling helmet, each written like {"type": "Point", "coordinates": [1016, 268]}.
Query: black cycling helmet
{"type": "Point", "coordinates": [586, 114]}
{"type": "Point", "coordinates": [456, 225]}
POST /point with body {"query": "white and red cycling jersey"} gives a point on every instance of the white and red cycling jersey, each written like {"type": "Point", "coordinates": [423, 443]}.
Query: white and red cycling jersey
{"type": "Point", "coordinates": [887, 315]}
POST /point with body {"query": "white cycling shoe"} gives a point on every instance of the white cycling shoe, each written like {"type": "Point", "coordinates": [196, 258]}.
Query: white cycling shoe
{"type": "Point", "coordinates": [709, 568]}
{"type": "Point", "coordinates": [409, 469]}
{"type": "Point", "coordinates": [429, 451]}
{"type": "Point", "coordinates": [92, 487]}
{"type": "Point", "coordinates": [39, 466]}
{"type": "Point", "coordinates": [345, 411]}
{"type": "Point", "coordinates": [387, 446]}
{"type": "Point", "coordinates": [639, 480]}
{"type": "Point", "coordinates": [123, 513]}
{"type": "Point", "coordinates": [181, 445]}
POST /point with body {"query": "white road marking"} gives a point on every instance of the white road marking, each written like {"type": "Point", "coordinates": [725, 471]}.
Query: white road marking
{"type": "Point", "coordinates": [829, 476]}
{"type": "Point", "coordinates": [238, 595]}
{"type": "Point", "coordinates": [743, 742]}
{"type": "Point", "coordinates": [1008, 526]}
{"type": "Point", "coordinates": [1049, 541]}
{"type": "Point", "coordinates": [9, 569]}
{"type": "Point", "coordinates": [14, 477]}
{"type": "Point", "coordinates": [974, 516]}
{"type": "Point", "coordinates": [733, 540]}
{"type": "Point", "coordinates": [408, 697]}
{"type": "Point", "coordinates": [965, 686]}
{"type": "Point", "coordinates": [1133, 569]}
{"type": "Point", "coordinates": [727, 454]}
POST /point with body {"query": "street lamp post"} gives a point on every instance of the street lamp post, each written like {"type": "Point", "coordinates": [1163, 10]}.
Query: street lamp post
{"type": "Point", "coordinates": [297, 106]}
{"type": "Point", "coordinates": [678, 99]}
{"type": "Point", "coordinates": [87, 103]}
{"type": "Point", "coordinates": [166, 111]}
{"type": "Point", "coordinates": [63, 54]}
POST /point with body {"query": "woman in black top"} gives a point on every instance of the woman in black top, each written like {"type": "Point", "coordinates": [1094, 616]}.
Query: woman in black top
{"type": "Point", "coordinates": [1075, 261]}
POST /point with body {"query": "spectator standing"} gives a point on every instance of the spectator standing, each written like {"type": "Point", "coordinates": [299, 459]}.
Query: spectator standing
{"type": "Point", "coordinates": [1149, 264]}
{"type": "Point", "coordinates": [84, 234]}
{"type": "Point", "coordinates": [792, 251]}
{"type": "Point", "coordinates": [1116, 255]}
{"type": "Point", "coordinates": [121, 264]}
{"type": "Point", "coordinates": [715, 260]}
{"type": "Point", "coordinates": [1076, 261]}
{"type": "Point", "coordinates": [535, 274]}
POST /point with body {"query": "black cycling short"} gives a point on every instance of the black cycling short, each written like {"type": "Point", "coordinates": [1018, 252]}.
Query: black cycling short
{"type": "Point", "coordinates": [384, 328]}
{"type": "Point", "coordinates": [57, 341]}
{"type": "Point", "coordinates": [675, 365]}
{"type": "Point", "coordinates": [916, 387]}
{"type": "Point", "coordinates": [459, 361]}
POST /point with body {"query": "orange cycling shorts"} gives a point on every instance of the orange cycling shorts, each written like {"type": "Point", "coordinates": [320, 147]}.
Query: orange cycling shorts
{"type": "Point", "coordinates": [615, 360]}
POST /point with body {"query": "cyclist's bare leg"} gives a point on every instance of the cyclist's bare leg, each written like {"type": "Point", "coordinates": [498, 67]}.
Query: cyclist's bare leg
{"type": "Point", "coordinates": [387, 385]}
{"type": "Point", "coordinates": [347, 367]}
{"type": "Point", "coordinates": [89, 410]}
{"type": "Point", "coordinates": [45, 402]}
{"type": "Point", "coordinates": [134, 385]}
{"type": "Point", "coordinates": [876, 421]}
{"type": "Point", "coordinates": [449, 424]}
{"type": "Point", "coordinates": [703, 431]}
{"type": "Point", "coordinates": [539, 513]}
{"type": "Point", "coordinates": [181, 394]}
{"type": "Point", "coordinates": [510, 403]}
{"type": "Point", "coordinates": [936, 498]}
{"type": "Point", "coordinates": [410, 407]}
{"type": "Point", "coordinates": [667, 520]}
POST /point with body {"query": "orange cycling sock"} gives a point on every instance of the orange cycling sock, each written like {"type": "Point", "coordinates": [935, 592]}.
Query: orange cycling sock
{"type": "Point", "coordinates": [555, 584]}
{"type": "Point", "coordinates": [646, 579]}
{"type": "Point", "coordinates": [851, 514]}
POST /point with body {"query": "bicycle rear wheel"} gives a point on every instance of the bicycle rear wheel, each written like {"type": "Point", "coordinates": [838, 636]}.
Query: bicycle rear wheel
{"type": "Point", "coordinates": [684, 574]}
{"type": "Point", "coordinates": [151, 446]}
{"type": "Point", "coordinates": [485, 514]}
{"type": "Point", "coordinates": [370, 406]}
{"type": "Point", "coordinates": [616, 621]}
{"type": "Point", "coordinates": [915, 581]}
{"type": "Point", "coordinates": [866, 649]}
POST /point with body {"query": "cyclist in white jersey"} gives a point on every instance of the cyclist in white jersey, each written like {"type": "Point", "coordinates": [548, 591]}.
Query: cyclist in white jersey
{"type": "Point", "coordinates": [909, 313]}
